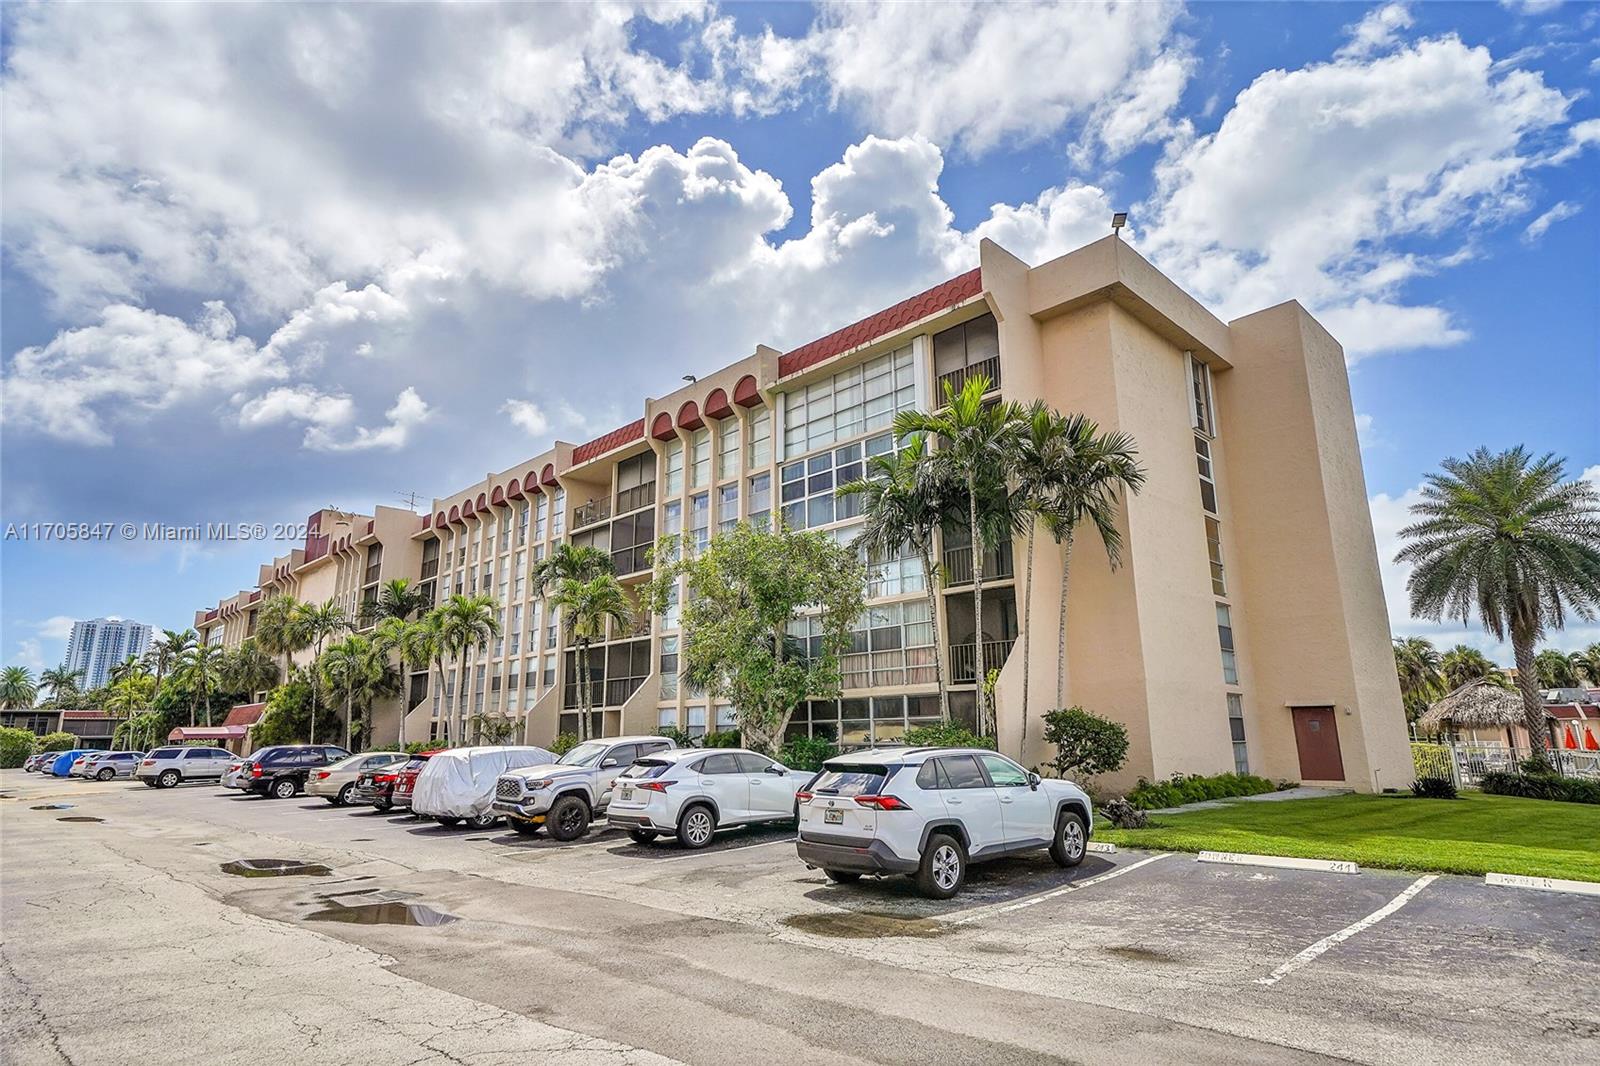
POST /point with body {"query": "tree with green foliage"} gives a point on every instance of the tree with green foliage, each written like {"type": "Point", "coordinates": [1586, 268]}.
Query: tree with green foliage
{"type": "Point", "coordinates": [278, 631]}
{"type": "Point", "coordinates": [1506, 537]}
{"type": "Point", "coordinates": [287, 717]}
{"type": "Point", "coordinates": [744, 592]}
{"type": "Point", "coordinates": [975, 443]}
{"type": "Point", "coordinates": [1086, 744]}
{"type": "Point", "coordinates": [466, 623]}
{"type": "Point", "coordinates": [1418, 664]}
{"type": "Point", "coordinates": [62, 684]}
{"type": "Point", "coordinates": [587, 609]}
{"type": "Point", "coordinates": [248, 669]}
{"type": "Point", "coordinates": [199, 670]}
{"type": "Point", "coordinates": [15, 747]}
{"type": "Point", "coordinates": [1464, 663]}
{"type": "Point", "coordinates": [904, 502]}
{"type": "Point", "coordinates": [397, 598]}
{"type": "Point", "coordinates": [165, 653]}
{"type": "Point", "coordinates": [1587, 662]}
{"type": "Point", "coordinates": [1557, 669]}
{"type": "Point", "coordinates": [358, 671]}
{"type": "Point", "coordinates": [17, 688]}
{"type": "Point", "coordinates": [57, 741]}
{"type": "Point", "coordinates": [313, 624]}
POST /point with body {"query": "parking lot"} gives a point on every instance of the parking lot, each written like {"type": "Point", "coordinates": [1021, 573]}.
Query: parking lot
{"type": "Point", "coordinates": [124, 932]}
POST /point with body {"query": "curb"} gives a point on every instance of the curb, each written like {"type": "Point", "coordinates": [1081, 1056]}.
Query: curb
{"type": "Point", "coordinates": [1543, 884]}
{"type": "Point", "coordinates": [1233, 858]}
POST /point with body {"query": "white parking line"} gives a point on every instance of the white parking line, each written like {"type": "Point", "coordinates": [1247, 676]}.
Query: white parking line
{"type": "Point", "coordinates": [1321, 946]}
{"type": "Point", "coordinates": [723, 851]}
{"type": "Point", "coordinates": [1006, 908]}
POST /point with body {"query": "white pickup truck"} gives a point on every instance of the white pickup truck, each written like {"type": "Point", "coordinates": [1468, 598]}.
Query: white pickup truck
{"type": "Point", "coordinates": [566, 795]}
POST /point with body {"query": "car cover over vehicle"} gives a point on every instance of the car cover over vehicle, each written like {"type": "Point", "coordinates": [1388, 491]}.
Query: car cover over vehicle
{"type": "Point", "coordinates": [459, 782]}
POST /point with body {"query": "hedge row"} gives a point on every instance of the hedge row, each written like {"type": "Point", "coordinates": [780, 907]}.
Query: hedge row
{"type": "Point", "coordinates": [1541, 786]}
{"type": "Point", "coordinates": [1192, 788]}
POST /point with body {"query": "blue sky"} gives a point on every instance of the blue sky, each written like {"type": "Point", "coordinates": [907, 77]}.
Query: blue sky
{"type": "Point", "coordinates": [261, 260]}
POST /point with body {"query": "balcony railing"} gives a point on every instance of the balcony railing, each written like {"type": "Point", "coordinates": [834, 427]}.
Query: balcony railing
{"type": "Point", "coordinates": [964, 659]}
{"type": "Point", "coordinates": [587, 514]}
{"type": "Point", "coordinates": [957, 379]}
{"type": "Point", "coordinates": [997, 564]}
{"type": "Point", "coordinates": [636, 497]}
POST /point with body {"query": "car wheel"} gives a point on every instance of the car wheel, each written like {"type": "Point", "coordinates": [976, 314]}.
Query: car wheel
{"type": "Point", "coordinates": [643, 836]}
{"type": "Point", "coordinates": [147, 782]}
{"type": "Point", "coordinates": [448, 823]}
{"type": "Point", "coordinates": [105, 775]}
{"type": "Point", "coordinates": [943, 869]}
{"type": "Point", "coordinates": [284, 788]}
{"type": "Point", "coordinates": [568, 819]}
{"type": "Point", "coordinates": [1071, 842]}
{"type": "Point", "coordinates": [696, 826]}
{"type": "Point", "coordinates": [344, 795]}
{"type": "Point", "coordinates": [482, 821]}
{"type": "Point", "coordinates": [168, 778]}
{"type": "Point", "coordinates": [384, 806]}
{"type": "Point", "coordinates": [842, 877]}
{"type": "Point", "coordinates": [527, 829]}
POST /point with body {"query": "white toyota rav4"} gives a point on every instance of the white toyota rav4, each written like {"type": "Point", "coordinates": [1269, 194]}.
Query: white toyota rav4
{"type": "Point", "coordinates": [693, 792]}
{"type": "Point", "coordinates": [928, 812]}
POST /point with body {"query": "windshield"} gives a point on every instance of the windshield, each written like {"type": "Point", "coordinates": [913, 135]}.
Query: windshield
{"type": "Point", "coordinates": [583, 755]}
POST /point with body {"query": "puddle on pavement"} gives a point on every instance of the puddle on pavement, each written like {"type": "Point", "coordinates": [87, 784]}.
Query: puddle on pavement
{"type": "Point", "coordinates": [53, 807]}
{"type": "Point", "coordinates": [383, 914]}
{"type": "Point", "coordinates": [275, 868]}
{"type": "Point", "coordinates": [1134, 953]}
{"type": "Point", "coordinates": [79, 818]}
{"type": "Point", "coordinates": [861, 925]}
{"type": "Point", "coordinates": [996, 949]}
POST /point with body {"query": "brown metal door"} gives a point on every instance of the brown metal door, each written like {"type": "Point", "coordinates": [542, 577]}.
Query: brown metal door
{"type": "Point", "coordinates": [1316, 735]}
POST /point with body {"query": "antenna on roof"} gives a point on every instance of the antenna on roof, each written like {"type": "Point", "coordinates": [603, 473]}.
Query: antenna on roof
{"type": "Point", "coordinates": [410, 499]}
{"type": "Point", "coordinates": [1118, 220]}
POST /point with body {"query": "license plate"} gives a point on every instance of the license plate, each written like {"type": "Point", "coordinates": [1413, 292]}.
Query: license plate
{"type": "Point", "coordinates": [832, 817]}
{"type": "Point", "coordinates": [627, 794]}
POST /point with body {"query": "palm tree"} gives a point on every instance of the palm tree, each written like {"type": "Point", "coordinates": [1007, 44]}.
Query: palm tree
{"type": "Point", "coordinates": [129, 667]}
{"type": "Point", "coordinates": [277, 630]}
{"type": "Point", "coordinates": [1587, 662]}
{"type": "Point", "coordinates": [17, 688]}
{"type": "Point", "coordinates": [976, 442]}
{"type": "Point", "coordinates": [1556, 669]}
{"type": "Point", "coordinates": [167, 650]}
{"type": "Point", "coordinates": [249, 669]}
{"type": "Point", "coordinates": [63, 685]}
{"type": "Point", "coordinates": [199, 669]}
{"type": "Point", "coordinates": [1092, 471]}
{"type": "Point", "coordinates": [1418, 664]}
{"type": "Point", "coordinates": [345, 667]}
{"type": "Point", "coordinates": [422, 643]}
{"type": "Point", "coordinates": [396, 599]}
{"type": "Point", "coordinates": [568, 562]}
{"type": "Point", "coordinates": [311, 627]}
{"type": "Point", "coordinates": [1504, 536]}
{"type": "Point", "coordinates": [468, 622]}
{"type": "Point", "coordinates": [377, 678]}
{"type": "Point", "coordinates": [130, 693]}
{"type": "Point", "coordinates": [904, 502]}
{"type": "Point", "coordinates": [1463, 663]}
{"type": "Point", "coordinates": [588, 606]}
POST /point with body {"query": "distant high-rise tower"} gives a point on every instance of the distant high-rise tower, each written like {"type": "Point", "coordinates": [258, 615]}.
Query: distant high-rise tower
{"type": "Point", "coordinates": [98, 644]}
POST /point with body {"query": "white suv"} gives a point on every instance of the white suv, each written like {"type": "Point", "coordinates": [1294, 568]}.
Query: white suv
{"type": "Point", "coordinates": [694, 792]}
{"type": "Point", "coordinates": [928, 812]}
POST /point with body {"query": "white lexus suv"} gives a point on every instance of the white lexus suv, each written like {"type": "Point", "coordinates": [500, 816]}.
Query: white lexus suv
{"type": "Point", "coordinates": [928, 812]}
{"type": "Point", "coordinates": [693, 792]}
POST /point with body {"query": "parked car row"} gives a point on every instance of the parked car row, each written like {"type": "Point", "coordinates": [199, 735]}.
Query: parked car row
{"type": "Point", "coordinates": [926, 813]}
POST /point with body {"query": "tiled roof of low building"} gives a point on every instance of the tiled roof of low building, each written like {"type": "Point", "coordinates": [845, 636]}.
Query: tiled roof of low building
{"type": "Point", "coordinates": [942, 296]}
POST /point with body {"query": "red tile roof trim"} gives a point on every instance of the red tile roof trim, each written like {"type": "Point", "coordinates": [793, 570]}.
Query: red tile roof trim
{"type": "Point", "coordinates": [939, 298]}
{"type": "Point", "coordinates": [615, 439]}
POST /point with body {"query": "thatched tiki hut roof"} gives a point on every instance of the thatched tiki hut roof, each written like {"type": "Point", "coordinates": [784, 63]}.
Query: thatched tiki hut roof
{"type": "Point", "coordinates": [1479, 704]}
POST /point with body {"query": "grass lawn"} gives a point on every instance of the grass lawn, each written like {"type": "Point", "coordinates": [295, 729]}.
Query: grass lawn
{"type": "Point", "coordinates": [1471, 835]}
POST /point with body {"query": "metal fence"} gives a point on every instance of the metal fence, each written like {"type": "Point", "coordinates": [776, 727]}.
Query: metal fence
{"type": "Point", "coordinates": [1465, 762]}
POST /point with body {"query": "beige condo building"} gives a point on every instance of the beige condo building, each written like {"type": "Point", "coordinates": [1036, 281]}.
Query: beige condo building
{"type": "Point", "coordinates": [1246, 628]}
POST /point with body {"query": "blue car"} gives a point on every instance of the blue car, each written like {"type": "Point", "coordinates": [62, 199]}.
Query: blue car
{"type": "Point", "coordinates": [63, 764]}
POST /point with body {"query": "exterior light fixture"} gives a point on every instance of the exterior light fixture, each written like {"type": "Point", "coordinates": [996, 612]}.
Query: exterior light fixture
{"type": "Point", "coordinates": [1118, 220]}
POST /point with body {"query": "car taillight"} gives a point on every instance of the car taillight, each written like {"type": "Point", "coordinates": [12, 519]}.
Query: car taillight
{"type": "Point", "coordinates": [148, 762]}
{"type": "Point", "coordinates": [802, 797]}
{"type": "Point", "coordinates": [656, 786]}
{"type": "Point", "coordinates": [884, 803]}
{"type": "Point", "coordinates": [378, 779]}
{"type": "Point", "coordinates": [255, 771]}
{"type": "Point", "coordinates": [321, 774]}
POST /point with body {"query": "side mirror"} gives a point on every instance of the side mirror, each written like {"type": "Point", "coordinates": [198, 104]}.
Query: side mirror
{"type": "Point", "coordinates": [608, 764]}
{"type": "Point", "coordinates": [1033, 780]}
{"type": "Point", "coordinates": [778, 769]}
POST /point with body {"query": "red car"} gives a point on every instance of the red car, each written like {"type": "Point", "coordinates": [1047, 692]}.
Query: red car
{"type": "Point", "coordinates": [396, 792]}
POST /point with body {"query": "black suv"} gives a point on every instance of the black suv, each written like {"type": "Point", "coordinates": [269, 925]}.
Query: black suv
{"type": "Point", "coordinates": [280, 772]}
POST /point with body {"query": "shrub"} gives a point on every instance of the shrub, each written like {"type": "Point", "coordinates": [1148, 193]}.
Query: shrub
{"type": "Point", "coordinates": [1538, 766]}
{"type": "Point", "coordinates": [727, 738]}
{"type": "Point", "coordinates": [1124, 815]}
{"type": "Point", "coordinates": [57, 742]}
{"type": "Point", "coordinates": [1430, 787]}
{"type": "Point", "coordinates": [681, 737]}
{"type": "Point", "coordinates": [807, 753]}
{"type": "Point", "coordinates": [416, 747]}
{"type": "Point", "coordinates": [946, 736]}
{"type": "Point", "coordinates": [1193, 788]}
{"type": "Point", "coordinates": [1430, 760]}
{"type": "Point", "coordinates": [1084, 742]}
{"type": "Point", "coordinates": [564, 743]}
{"type": "Point", "coordinates": [15, 747]}
{"type": "Point", "coordinates": [1541, 786]}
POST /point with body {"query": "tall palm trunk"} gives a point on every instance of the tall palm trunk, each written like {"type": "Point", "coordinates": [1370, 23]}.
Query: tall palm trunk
{"type": "Point", "coordinates": [1027, 637]}
{"type": "Point", "coordinates": [347, 723]}
{"type": "Point", "coordinates": [583, 689]}
{"type": "Point", "coordinates": [458, 724]}
{"type": "Point", "coordinates": [977, 602]}
{"type": "Point", "coordinates": [1528, 684]}
{"type": "Point", "coordinates": [933, 622]}
{"type": "Point", "coordinates": [1061, 624]}
{"type": "Point", "coordinates": [444, 709]}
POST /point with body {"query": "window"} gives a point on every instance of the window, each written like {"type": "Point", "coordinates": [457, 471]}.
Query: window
{"type": "Point", "coordinates": [700, 519]}
{"type": "Point", "coordinates": [854, 401]}
{"type": "Point", "coordinates": [666, 718]}
{"type": "Point", "coordinates": [760, 446]}
{"type": "Point", "coordinates": [700, 457]}
{"type": "Point", "coordinates": [1202, 415]}
{"type": "Point", "coordinates": [430, 558]}
{"type": "Point", "coordinates": [374, 562]}
{"type": "Point", "coordinates": [631, 540]}
{"type": "Point", "coordinates": [751, 763]}
{"type": "Point", "coordinates": [1241, 761]}
{"type": "Point", "coordinates": [728, 447]}
{"type": "Point", "coordinates": [522, 523]}
{"type": "Point", "coordinates": [1208, 483]}
{"type": "Point", "coordinates": [968, 349]}
{"type": "Point", "coordinates": [890, 644]}
{"type": "Point", "coordinates": [723, 763]}
{"type": "Point", "coordinates": [807, 486]}
{"type": "Point", "coordinates": [1230, 665]}
{"type": "Point", "coordinates": [636, 483]}
{"type": "Point", "coordinates": [961, 771]}
{"type": "Point", "coordinates": [515, 631]}
{"type": "Point", "coordinates": [894, 575]}
{"type": "Point", "coordinates": [727, 717]}
{"type": "Point", "coordinates": [1003, 772]}
{"type": "Point", "coordinates": [674, 464]}
{"type": "Point", "coordinates": [1214, 550]}
{"type": "Point", "coordinates": [541, 516]}
{"type": "Point", "coordinates": [673, 614]}
{"type": "Point", "coordinates": [727, 507]}
{"type": "Point", "coordinates": [669, 667]}
{"type": "Point", "coordinates": [627, 665]}
{"type": "Point", "coordinates": [697, 722]}
{"type": "Point", "coordinates": [760, 500]}
{"type": "Point", "coordinates": [558, 524]}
